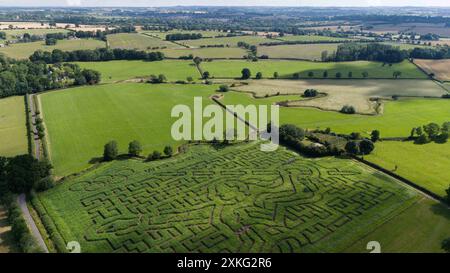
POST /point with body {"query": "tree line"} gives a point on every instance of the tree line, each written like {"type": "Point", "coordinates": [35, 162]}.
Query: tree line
{"type": "Point", "coordinates": [19, 77]}
{"type": "Point", "coordinates": [94, 55]}
{"type": "Point", "coordinates": [183, 36]}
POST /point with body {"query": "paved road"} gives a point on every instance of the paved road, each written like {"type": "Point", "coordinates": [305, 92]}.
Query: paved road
{"type": "Point", "coordinates": [30, 222]}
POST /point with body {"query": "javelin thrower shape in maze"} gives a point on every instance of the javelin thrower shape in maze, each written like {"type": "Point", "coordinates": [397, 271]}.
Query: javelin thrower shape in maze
{"type": "Point", "coordinates": [238, 201]}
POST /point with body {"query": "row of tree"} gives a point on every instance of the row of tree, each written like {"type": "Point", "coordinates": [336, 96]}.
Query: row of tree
{"type": "Point", "coordinates": [431, 132]}
{"type": "Point", "coordinates": [111, 151]}
{"type": "Point", "coordinates": [94, 55]}
{"type": "Point", "coordinates": [183, 36]}
{"type": "Point", "coordinates": [22, 77]}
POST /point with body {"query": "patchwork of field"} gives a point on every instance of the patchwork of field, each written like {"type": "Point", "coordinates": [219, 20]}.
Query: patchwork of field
{"type": "Point", "coordinates": [419, 28]}
{"type": "Point", "coordinates": [419, 229]}
{"type": "Point", "coordinates": [205, 33]}
{"type": "Point", "coordinates": [137, 41]}
{"type": "Point", "coordinates": [222, 53]}
{"type": "Point", "coordinates": [80, 121]}
{"type": "Point", "coordinates": [237, 199]}
{"type": "Point", "coordinates": [226, 41]}
{"type": "Point", "coordinates": [440, 68]}
{"type": "Point", "coordinates": [413, 162]}
{"type": "Point", "coordinates": [13, 131]}
{"type": "Point", "coordinates": [24, 50]}
{"type": "Point", "coordinates": [397, 120]}
{"type": "Point", "coordinates": [311, 38]}
{"type": "Point", "coordinates": [285, 69]}
{"type": "Point", "coordinates": [114, 71]}
{"type": "Point", "coordinates": [343, 92]}
{"type": "Point", "coordinates": [311, 52]}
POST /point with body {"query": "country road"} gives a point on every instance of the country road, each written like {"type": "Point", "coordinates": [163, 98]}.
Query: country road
{"type": "Point", "coordinates": [21, 199]}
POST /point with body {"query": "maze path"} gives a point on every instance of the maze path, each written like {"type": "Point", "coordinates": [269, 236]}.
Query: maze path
{"type": "Point", "coordinates": [236, 200]}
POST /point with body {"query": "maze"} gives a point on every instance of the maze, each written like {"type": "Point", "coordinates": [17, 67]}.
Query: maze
{"type": "Point", "coordinates": [237, 199]}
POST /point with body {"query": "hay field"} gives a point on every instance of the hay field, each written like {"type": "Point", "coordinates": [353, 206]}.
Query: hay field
{"type": "Point", "coordinates": [137, 41]}
{"type": "Point", "coordinates": [440, 68]}
{"type": "Point", "coordinates": [311, 52]}
{"type": "Point", "coordinates": [343, 92]}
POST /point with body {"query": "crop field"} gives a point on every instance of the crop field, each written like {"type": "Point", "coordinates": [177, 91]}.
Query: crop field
{"type": "Point", "coordinates": [397, 120]}
{"type": "Point", "coordinates": [230, 41]}
{"type": "Point", "coordinates": [344, 92]}
{"type": "Point", "coordinates": [81, 120]}
{"type": "Point", "coordinates": [137, 41]}
{"type": "Point", "coordinates": [285, 69]}
{"type": "Point", "coordinates": [24, 50]}
{"type": "Point", "coordinates": [311, 38]}
{"type": "Point", "coordinates": [224, 53]}
{"type": "Point", "coordinates": [13, 131]}
{"type": "Point", "coordinates": [409, 158]}
{"type": "Point", "coordinates": [440, 68]}
{"type": "Point", "coordinates": [311, 52]}
{"type": "Point", "coordinates": [237, 199]}
{"type": "Point", "coordinates": [113, 71]}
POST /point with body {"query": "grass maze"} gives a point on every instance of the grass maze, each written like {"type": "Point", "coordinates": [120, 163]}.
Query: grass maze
{"type": "Point", "coordinates": [235, 200]}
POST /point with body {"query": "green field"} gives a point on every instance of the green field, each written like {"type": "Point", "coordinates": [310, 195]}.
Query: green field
{"type": "Point", "coordinates": [38, 31]}
{"type": "Point", "coordinates": [237, 199]}
{"type": "Point", "coordinates": [426, 165]}
{"type": "Point", "coordinates": [306, 51]}
{"type": "Point", "coordinates": [81, 120]}
{"type": "Point", "coordinates": [225, 53]}
{"type": "Point", "coordinates": [420, 228]}
{"type": "Point", "coordinates": [396, 121]}
{"type": "Point", "coordinates": [233, 68]}
{"type": "Point", "coordinates": [113, 71]}
{"type": "Point", "coordinates": [309, 38]}
{"type": "Point", "coordinates": [24, 50]}
{"type": "Point", "coordinates": [230, 41]}
{"type": "Point", "coordinates": [13, 131]}
{"type": "Point", "coordinates": [205, 33]}
{"type": "Point", "coordinates": [137, 41]}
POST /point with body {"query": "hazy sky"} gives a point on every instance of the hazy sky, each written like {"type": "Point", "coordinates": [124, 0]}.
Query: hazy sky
{"type": "Point", "coordinates": [152, 3]}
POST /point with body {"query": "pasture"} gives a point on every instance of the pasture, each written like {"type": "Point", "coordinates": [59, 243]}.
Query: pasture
{"type": "Point", "coordinates": [285, 69]}
{"type": "Point", "coordinates": [13, 131]}
{"type": "Point", "coordinates": [24, 50]}
{"type": "Point", "coordinates": [205, 33]}
{"type": "Point", "coordinates": [236, 199]}
{"type": "Point", "coordinates": [311, 38]}
{"type": "Point", "coordinates": [343, 92]}
{"type": "Point", "coordinates": [413, 162]}
{"type": "Point", "coordinates": [226, 41]}
{"type": "Point", "coordinates": [39, 31]}
{"type": "Point", "coordinates": [206, 53]}
{"type": "Point", "coordinates": [137, 41]}
{"type": "Point", "coordinates": [419, 229]}
{"type": "Point", "coordinates": [81, 120]}
{"type": "Point", "coordinates": [440, 68]}
{"type": "Point", "coordinates": [311, 52]}
{"type": "Point", "coordinates": [396, 121]}
{"type": "Point", "coordinates": [113, 71]}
